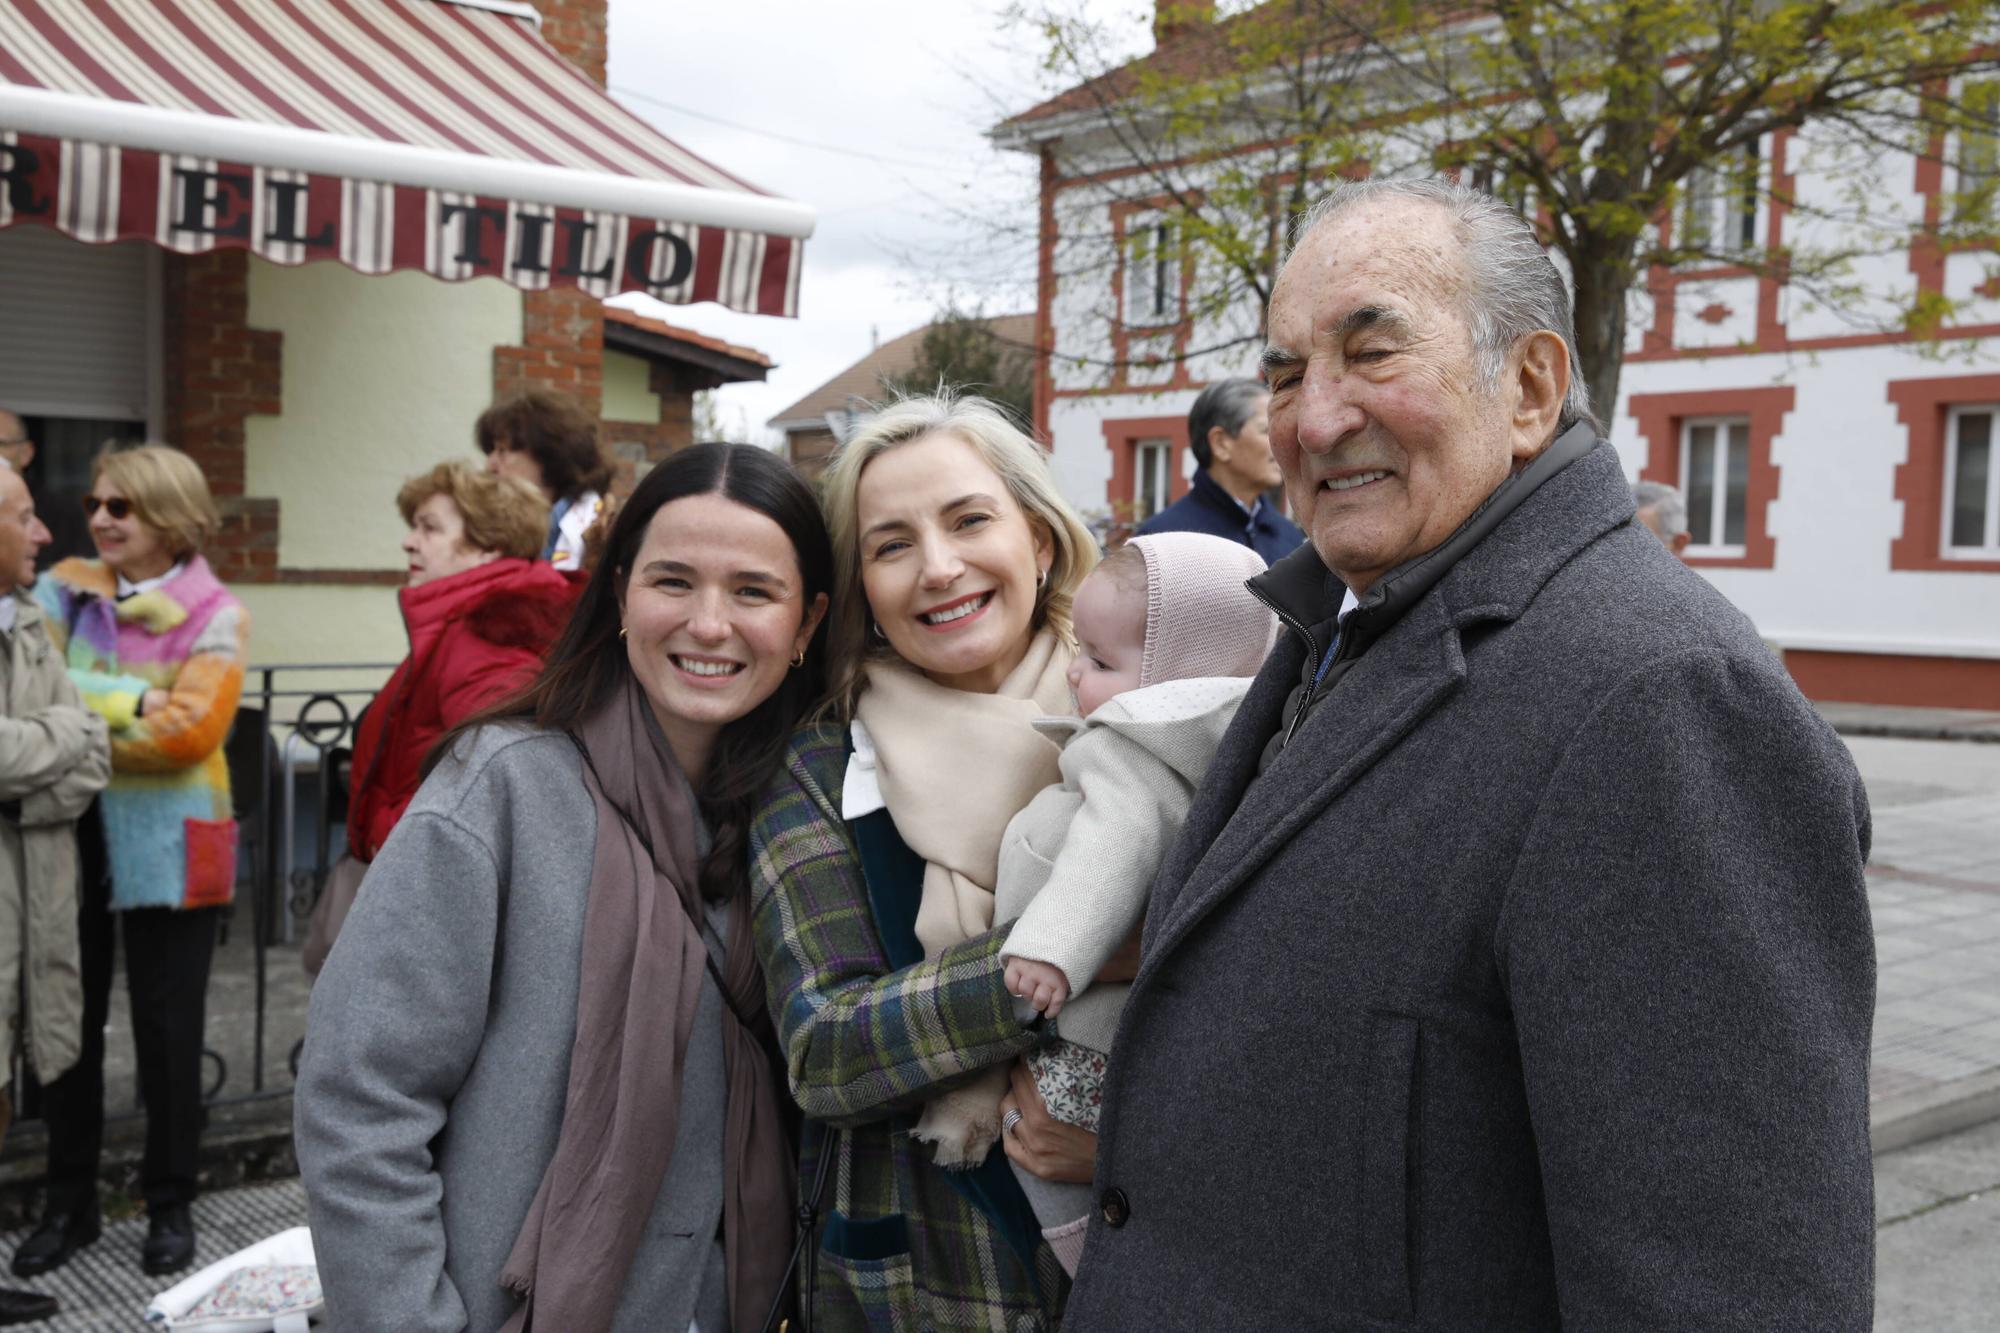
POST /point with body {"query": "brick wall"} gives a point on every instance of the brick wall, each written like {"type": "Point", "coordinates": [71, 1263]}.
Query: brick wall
{"type": "Point", "coordinates": [562, 332]}
{"type": "Point", "coordinates": [633, 445]}
{"type": "Point", "coordinates": [217, 372]}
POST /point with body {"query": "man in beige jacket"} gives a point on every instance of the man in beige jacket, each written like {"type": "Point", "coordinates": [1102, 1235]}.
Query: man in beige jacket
{"type": "Point", "coordinates": [54, 757]}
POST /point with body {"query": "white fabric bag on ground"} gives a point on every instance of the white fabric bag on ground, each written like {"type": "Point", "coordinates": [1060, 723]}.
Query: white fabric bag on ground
{"type": "Point", "coordinates": [281, 1270]}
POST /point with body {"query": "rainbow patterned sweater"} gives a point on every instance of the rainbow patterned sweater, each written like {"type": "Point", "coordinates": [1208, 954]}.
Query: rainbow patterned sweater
{"type": "Point", "coordinates": [168, 824]}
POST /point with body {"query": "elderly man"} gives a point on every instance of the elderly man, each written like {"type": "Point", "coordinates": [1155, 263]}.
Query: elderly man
{"type": "Point", "coordinates": [54, 757]}
{"type": "Point", "coordinates": [1664, 513]}
{"type": "Point", "coordinates": [1513, 970]}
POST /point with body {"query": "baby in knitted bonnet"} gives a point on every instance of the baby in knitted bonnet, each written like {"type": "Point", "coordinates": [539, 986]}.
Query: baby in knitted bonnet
{"type": "Point", "coordinates": [1167, 640]}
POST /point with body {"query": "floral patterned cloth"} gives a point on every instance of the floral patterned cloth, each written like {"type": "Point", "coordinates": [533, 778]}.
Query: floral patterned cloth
{"type": "Point", "coordinates": [261, 1289]}
{"type": "Point", "coordinates": [1071, 1080]}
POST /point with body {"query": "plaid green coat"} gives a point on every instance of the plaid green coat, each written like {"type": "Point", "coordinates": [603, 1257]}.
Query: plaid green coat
{"type": "Point", "coordinates": [901, 1249]}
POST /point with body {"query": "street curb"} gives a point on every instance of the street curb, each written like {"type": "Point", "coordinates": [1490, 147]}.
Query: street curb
{"type": "Point", "coordinates": [1898, 731]}
{"type": "Point", "coordinates": [1917, 1117]}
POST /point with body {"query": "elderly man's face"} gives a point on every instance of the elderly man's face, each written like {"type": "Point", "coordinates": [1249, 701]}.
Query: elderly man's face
{"type": "Point", "coordinates": [1379, 422]}
{"type": "Point", "coordinates": [22, 535]}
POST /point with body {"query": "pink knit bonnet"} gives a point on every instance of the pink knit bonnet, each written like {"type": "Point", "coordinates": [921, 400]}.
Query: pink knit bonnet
{"type": "Point", "coordinates": [1200, 619]}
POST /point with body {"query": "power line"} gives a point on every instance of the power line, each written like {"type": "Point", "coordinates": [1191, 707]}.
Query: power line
{"type": "Point", "coordinates": [782, 138]}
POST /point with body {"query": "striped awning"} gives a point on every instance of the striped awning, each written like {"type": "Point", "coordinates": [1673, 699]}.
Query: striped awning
{"type": "Point", "coordinates": [441, 135]}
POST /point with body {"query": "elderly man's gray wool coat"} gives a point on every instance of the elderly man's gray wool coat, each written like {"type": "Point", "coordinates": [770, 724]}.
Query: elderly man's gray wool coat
{"type": "Point", "coordinates": [1527, 986]}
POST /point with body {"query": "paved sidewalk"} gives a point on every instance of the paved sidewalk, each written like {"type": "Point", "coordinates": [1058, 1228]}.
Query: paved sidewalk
{"type": "Point", "coordinates": [1941, 724]}
{"type": "Point", "coordinates": [1934, 885]}
{"type": "Point", "coordinates": [102, 1289]}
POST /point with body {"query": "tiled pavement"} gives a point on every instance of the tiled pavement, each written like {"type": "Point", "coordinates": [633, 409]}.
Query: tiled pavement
{"type": "Point", "coordinates": [1934, 885]}
{"type": "Point", "coordinates": [102, 1289]}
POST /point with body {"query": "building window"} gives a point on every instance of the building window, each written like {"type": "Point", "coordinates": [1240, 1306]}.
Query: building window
{"type": "Point", "coordinates": [1152, 277]}
{"type": "Point", "coordinates": [1979, 150]}
{"type": "Point", "coordinates": [1971, 485]}
{"type": "Point", "coordinates": [1719, 209]}
{"type": "Point", "coordinates": [1715, 478]}
{"type": "Point", "coordinates": [1150, 492]}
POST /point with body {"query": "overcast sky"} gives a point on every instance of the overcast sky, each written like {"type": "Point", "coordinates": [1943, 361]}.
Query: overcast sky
{"type": "Point", "coordinates": [874, 114]}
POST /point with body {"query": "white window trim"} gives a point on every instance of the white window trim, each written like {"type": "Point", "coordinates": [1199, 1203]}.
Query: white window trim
{"type": "Point", "coordinates": [1734, 250]}
{"type": "Point", "coordinates": [1156, 457]}
{"type": "Point", "coordinates": [1948, 492]}
{"type": "Point", "coordinates": [1163, 275]}
{"type": "Point", "coordinates": [1719, 489]}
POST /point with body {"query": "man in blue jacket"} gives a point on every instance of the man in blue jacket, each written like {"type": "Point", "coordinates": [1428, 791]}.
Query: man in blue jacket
{"type": "Point", "coordinates": [1229, 431]}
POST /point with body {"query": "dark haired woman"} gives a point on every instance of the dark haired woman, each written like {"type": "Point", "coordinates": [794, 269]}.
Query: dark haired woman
{"type": "Point", "coordinates": [549, 440]}
{"type": "Point", "coordinates": [536, 1086]}
{"type": "Point", "coordinates": [1229, 434]}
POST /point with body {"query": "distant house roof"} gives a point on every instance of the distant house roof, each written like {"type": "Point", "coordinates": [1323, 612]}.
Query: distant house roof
{"type": "Point", "coordinates": [630, 331]}
{"type": "Point", "coordinates": [863, 379]}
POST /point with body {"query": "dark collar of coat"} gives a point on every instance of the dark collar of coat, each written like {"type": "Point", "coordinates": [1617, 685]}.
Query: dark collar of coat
{"type": "Point", "coordinates": [1305, 592]}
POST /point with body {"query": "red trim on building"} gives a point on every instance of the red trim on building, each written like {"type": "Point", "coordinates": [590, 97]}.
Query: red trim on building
{"type": "Point", "coordinates": [1045, 300]}
{"type": "Point", "coordinates": [1123, 437]}
{"type": "Point", "coordinates": [1922, 406]}
{"type": "Point", "coordinates": [1660, 415]}
{"type": "Point", "coordinates": [1888, 678]}
{"type": "Point", "coordinates": [1178, 328]}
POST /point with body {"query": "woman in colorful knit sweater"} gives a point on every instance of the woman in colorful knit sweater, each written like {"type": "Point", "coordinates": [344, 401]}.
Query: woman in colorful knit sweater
{"type": "Point", "coordinates": [157, 646]}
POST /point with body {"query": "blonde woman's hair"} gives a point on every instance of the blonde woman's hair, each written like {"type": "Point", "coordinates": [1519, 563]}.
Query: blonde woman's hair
{"type": "Point", "coordinates": [502, 514]}
{"type": "Point", "coordinates": [1010, 453]}
{"type": "Point", "coordinates": [167, 492]}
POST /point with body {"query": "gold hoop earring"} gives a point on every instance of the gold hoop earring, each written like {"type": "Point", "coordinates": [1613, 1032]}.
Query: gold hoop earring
{"type": "Point", "coordinates": [875, 626]}
{"type": "Point", "coordinates": [799, 659]}
{"type": "Point", "coordinates": [1042, 579]}
{"type": "Point", "coordinates": [622, 631]}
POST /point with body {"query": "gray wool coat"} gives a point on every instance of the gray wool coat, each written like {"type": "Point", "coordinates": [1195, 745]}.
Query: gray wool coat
{"type": "Point", "coordinates": [1528, 986]}
{"type": "Point", "coordinates": [436, 1062]}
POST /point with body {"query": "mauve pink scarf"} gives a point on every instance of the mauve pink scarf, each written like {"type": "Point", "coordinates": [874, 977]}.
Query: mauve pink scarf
{"type": "Point", "coordinates": [643, 963]}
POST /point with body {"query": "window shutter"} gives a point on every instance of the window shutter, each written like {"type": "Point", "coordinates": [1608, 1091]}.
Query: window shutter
{"type": "Point", "coordinates": [74, 342]}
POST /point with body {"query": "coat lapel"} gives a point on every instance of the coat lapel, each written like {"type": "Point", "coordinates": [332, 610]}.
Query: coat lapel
{"type": "Point", "coordinates": [1401, 680]}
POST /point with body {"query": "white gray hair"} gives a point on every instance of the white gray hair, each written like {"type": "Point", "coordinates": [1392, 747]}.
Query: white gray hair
{"type": "Point", "coordinates": [1511, 289]}
{"type": "Point", "coordinates": [1665, 502]}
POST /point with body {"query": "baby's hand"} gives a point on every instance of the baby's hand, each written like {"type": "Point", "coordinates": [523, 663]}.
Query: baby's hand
{"type": "Point", "coordinates": [1040, 984]}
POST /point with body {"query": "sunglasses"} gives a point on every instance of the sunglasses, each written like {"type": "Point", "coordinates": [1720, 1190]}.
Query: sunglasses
{"type": "Point", "coordinates": [118, 507]}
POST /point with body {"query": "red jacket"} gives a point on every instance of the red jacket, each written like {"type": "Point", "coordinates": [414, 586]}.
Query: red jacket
{"type": "Point", "coordinates": [474, 637]}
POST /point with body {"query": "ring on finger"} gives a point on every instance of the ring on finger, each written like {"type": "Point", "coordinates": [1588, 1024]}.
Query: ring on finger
{"type": "Point", "coordinates": [1011, 1119]}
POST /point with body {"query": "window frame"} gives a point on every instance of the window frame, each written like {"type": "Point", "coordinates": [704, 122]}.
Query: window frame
{"type": "Point", "coordinates": [1976, 187]}
{"type": "Point", "coordinates": [1152, 461]}
{"type": "Point", "coordinates": [1731, 189]}
{"type": "Point", "coordinates": [1989, 549]}
{"type": "Point", "coordinates": [1732, 431]}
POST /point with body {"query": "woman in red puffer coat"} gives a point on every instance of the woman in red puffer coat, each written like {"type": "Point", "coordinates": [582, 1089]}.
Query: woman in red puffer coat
{"type": "Point", "coordinates": [481, 608]}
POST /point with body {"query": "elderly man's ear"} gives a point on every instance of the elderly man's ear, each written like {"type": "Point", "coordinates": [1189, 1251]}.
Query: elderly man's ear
{"type": "Point", "coordinates": [1540, 382]}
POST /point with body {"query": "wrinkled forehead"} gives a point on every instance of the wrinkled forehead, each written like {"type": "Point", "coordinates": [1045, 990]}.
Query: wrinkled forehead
{"type": "Point", "coordinates": [1401, 254]}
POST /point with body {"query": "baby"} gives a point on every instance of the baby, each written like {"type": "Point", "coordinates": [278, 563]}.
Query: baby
{"type": "Point", "coordinates": [1167, 638]}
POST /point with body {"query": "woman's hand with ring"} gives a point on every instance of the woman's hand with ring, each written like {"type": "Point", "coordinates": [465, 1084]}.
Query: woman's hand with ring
{"type": "Point", "coordinates": [1038, 1142]}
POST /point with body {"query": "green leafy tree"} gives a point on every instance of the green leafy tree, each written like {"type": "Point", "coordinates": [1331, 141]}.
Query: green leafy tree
{"type": "Point", "coordinates": [1601, 120]}
{"type": "Point", "coordinates": [960, 350]}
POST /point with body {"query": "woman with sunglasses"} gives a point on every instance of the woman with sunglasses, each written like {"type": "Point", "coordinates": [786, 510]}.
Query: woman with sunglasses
{"type": "Point", "coordinates": [157, 646]}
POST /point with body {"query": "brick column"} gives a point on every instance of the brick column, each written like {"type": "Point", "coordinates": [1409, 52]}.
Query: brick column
{"type": "Point", "coordinates": [562, 332]}
{"type": "Point", "coordinates": [218, 371]}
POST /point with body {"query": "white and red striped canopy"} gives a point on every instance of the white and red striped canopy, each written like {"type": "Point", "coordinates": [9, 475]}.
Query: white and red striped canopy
{"type": "Point", "coordinates": [442, 135]}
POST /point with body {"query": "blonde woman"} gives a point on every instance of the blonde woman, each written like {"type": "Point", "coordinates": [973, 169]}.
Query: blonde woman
{"type": "Point", "coordinates": [873, 864]}
{"type": "Point", "coordinates": [157, 646]}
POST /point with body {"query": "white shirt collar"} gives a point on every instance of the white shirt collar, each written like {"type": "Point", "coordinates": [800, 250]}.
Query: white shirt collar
{"type": "Point", "coordinates": [9, 608]}
{"type": "Point", "coordinates": [127, 588]}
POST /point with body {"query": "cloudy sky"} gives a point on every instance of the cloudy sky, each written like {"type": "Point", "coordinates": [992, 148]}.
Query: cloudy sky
{"type": "Point", "coordinates": [875, 114]}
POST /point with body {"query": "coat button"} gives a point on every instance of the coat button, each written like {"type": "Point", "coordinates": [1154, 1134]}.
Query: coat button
{"type": "Point", "coordinates": [1115, 1206]}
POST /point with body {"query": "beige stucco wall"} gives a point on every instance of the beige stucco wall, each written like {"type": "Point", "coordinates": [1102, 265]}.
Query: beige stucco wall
{"type": "Point", "coordinates": [292, 623]}
{"type": "Point", "coordinates": [626, 397]}
{"type": "Point", "coordinates": [382, 377]}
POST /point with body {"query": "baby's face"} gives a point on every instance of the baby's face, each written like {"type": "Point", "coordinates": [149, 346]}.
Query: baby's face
{"type": "Point", "coordinates": [1110, 638]}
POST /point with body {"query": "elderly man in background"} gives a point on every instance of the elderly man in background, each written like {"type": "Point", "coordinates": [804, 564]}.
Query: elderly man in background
{"type": "Point", "coordinates": [1229, 434]}
{"type": "Point", "coordinates": [54, 757]}
{"type": "Point", "coordinates": [16, 449]}
{"type": "Point", "coordinates": [1663, 512]}
{"type": "Point", "coordinates": [1513, 970]}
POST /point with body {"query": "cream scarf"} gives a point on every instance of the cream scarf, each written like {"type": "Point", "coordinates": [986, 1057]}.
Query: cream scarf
{"type": "Point", "coordinates": [954, 768]}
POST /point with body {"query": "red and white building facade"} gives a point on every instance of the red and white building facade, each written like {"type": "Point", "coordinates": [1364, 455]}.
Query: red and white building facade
{"type": "Point", "coordinates": [1843, 474]}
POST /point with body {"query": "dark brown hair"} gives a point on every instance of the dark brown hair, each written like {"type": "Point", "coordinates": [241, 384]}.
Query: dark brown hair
{"type": "Point", "coordinates": [588, 662]}
{"type": "Point", "coordinates": [556, 430]}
